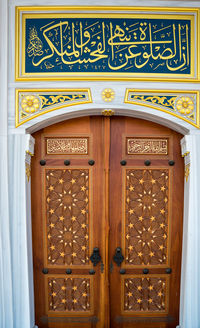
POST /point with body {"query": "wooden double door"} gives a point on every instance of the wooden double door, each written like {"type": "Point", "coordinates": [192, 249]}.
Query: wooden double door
{"type": "Point", "coordinates": [107, 207]}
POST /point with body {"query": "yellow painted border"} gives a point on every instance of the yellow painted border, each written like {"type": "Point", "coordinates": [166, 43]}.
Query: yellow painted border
{"type": "Point", "coordinates": [17, 91]}
{"type": "Point", "coordinates": [175, 92]}
{"type": "Point", "coordinates": [101, 12]}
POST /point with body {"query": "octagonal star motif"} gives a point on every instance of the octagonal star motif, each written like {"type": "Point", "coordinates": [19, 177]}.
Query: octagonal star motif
{"type": "Point", "coordinates": [69, 294]}
{"type": "Point", "coordinates": [67, 211]}
{"type": "Point", "coordinates": [147, 294]}
{"type": "Point", "coordinates": [146, 216]}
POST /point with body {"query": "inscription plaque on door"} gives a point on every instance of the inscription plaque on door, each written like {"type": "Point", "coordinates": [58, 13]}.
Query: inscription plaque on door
{"type": "Point", "coordinates": [136, 146]}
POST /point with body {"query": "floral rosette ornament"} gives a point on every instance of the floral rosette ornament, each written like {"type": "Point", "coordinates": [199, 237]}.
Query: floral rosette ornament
{"type": "Point", "coordinates": [108, 94]}
{"type": "Point", "coordinates": [185, 105]}
{"type": "Point", "coordinates": [30, 104]}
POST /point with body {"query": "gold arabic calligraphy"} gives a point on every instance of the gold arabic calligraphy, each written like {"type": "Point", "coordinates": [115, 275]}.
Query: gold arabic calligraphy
{"type": "Point", "coordinates": [115, 46]}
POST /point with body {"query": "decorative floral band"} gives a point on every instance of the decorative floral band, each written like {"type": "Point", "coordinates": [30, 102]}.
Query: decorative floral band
{"type": "Point", "coordinates": [33, 103]}
{"type": "Point", "coordinates": [184, 105]}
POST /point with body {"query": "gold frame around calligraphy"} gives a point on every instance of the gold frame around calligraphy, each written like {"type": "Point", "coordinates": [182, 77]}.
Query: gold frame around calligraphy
{"type": "Point", "coordinates": [95, 11]}
{"type": "Point", "coordinates": [51, 108]}
{"type": "Point", "coordinates": [162, 108]}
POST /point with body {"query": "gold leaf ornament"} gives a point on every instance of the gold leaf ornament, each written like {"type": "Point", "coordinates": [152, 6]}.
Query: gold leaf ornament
{"type": "Point", "coordinates": [108, 95]}
{"type": "Point", "coordinates": [185, 105]}
{"type": "Point", "coordinates": [28, 171]}
{"type": "Point", "coordinates": [30, 104]}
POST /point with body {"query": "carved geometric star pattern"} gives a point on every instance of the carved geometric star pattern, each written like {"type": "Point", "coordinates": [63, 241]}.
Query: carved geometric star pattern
{"type": "Point", "coordinates": [69, 294]}
{"type": "Point", "coordinates": [145, 294]}
{"type": "Point", "coordinates": [67, 204]}
{"type": "Point", "coordinates": [146, 234]}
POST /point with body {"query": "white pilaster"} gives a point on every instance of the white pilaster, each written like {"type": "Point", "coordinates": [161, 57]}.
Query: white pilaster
{"type": "Point", "coordinates": [190, 285]}
{"type": "Point", "coordinates": [6, 305]}
{"type": "Point", "coordinates": [21, 147]}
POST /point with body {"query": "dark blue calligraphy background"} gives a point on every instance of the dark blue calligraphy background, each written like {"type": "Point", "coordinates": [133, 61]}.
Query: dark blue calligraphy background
{"type": "Point", "coordinates": [130, 45]}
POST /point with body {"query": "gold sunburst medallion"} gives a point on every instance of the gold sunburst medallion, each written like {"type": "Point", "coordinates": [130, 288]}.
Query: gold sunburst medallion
{"type": "Point", "coordinates": [108, 95]}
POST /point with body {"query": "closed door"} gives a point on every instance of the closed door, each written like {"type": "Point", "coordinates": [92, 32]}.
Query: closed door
{"type": "Point", "coordinates": [107, 203]}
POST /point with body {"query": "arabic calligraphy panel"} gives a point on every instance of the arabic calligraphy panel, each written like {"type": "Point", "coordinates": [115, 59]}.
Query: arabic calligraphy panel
{"type": "Point", "coordinates": [70, 146]}
{"type": "Point", "coordinates": [147, 146]}
{"type": "Point", "coordinates": [116, 44]}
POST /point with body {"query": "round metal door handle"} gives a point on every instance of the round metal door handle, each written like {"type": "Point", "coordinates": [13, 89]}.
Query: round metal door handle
{"type": "Point", "coordinates": [145, 271]}
{"type": "Point", "coordinates": [168, 270]}
{"type": "Point", "coordinates": [123, 162]}
{"type": "Point", "coordinates": [122, 271]}
{"type": "Point", "coordinates": [91, 162]}
{"type": "Point", "coordinates": [42, 162]}
{"type": "Point", "coordinates": [68, 271]}
{"type": "Point", "coordinates": [147, 162]}
{"type": "Point", "coordinates": [67, 162]}
{"type": "Point", "coordinates": [45, 270]}
{"type": "Point", "coordinates": [92, 271]}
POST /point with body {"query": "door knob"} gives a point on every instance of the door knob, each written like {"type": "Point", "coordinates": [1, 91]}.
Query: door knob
{"type": "Point", "coordinates": [91, 162]}
{"type": "Point", "coordinates": [42, 162]}
{"type": "Point", "coordinates": [123, 162]}
{"type": "Point", "coordinates": [95, 257]}
{"type": "Point", "coordinates": [147, 162]}
{"type": "Point", "coordinates": [118, 257]}
{"type": "Point", "coordinates": [171, 163]}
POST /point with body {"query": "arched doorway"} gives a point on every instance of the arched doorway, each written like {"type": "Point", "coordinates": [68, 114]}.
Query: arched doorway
{"type": "Point", "coordinates": [108, 186]}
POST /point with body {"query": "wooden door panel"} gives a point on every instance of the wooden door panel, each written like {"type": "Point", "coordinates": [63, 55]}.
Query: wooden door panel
{"type": "Point", "coordinates": [146, 294]}
{"type": "Point", "coordinates": [146, 217]}
{"type": "Point", "coordinates": [130, 197]}
{"type": "Point", "coordinates": [72, 295]}
{"type": "Point", "coordinates": [68, 220]}
{"type": "Point", "coordinates": [146, 207]}
{"type": "Point", "coordinates": [67, 211]}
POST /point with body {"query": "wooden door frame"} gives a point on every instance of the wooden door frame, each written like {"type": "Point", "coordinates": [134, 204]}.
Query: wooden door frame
{"type": "Point", "coordinates": [26, 143]}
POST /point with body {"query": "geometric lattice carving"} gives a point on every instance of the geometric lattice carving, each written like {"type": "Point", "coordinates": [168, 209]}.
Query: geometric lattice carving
{"type": "Point", "coordinates": [146, 232]}
{"type": "Point", "coordinates": [69, 294]}
{"type": "Point", "coordinates": [147, 146]}
{"type": "Point", "coordinates": [145, 294]}
{"type": "Point", "coordinates": [67, 204]}
{"type": "Point", "coordinates": [67, 146]}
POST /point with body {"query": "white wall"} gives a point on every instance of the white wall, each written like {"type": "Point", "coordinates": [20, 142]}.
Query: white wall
{"type": "Point", "coordinates": [16, 283]}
